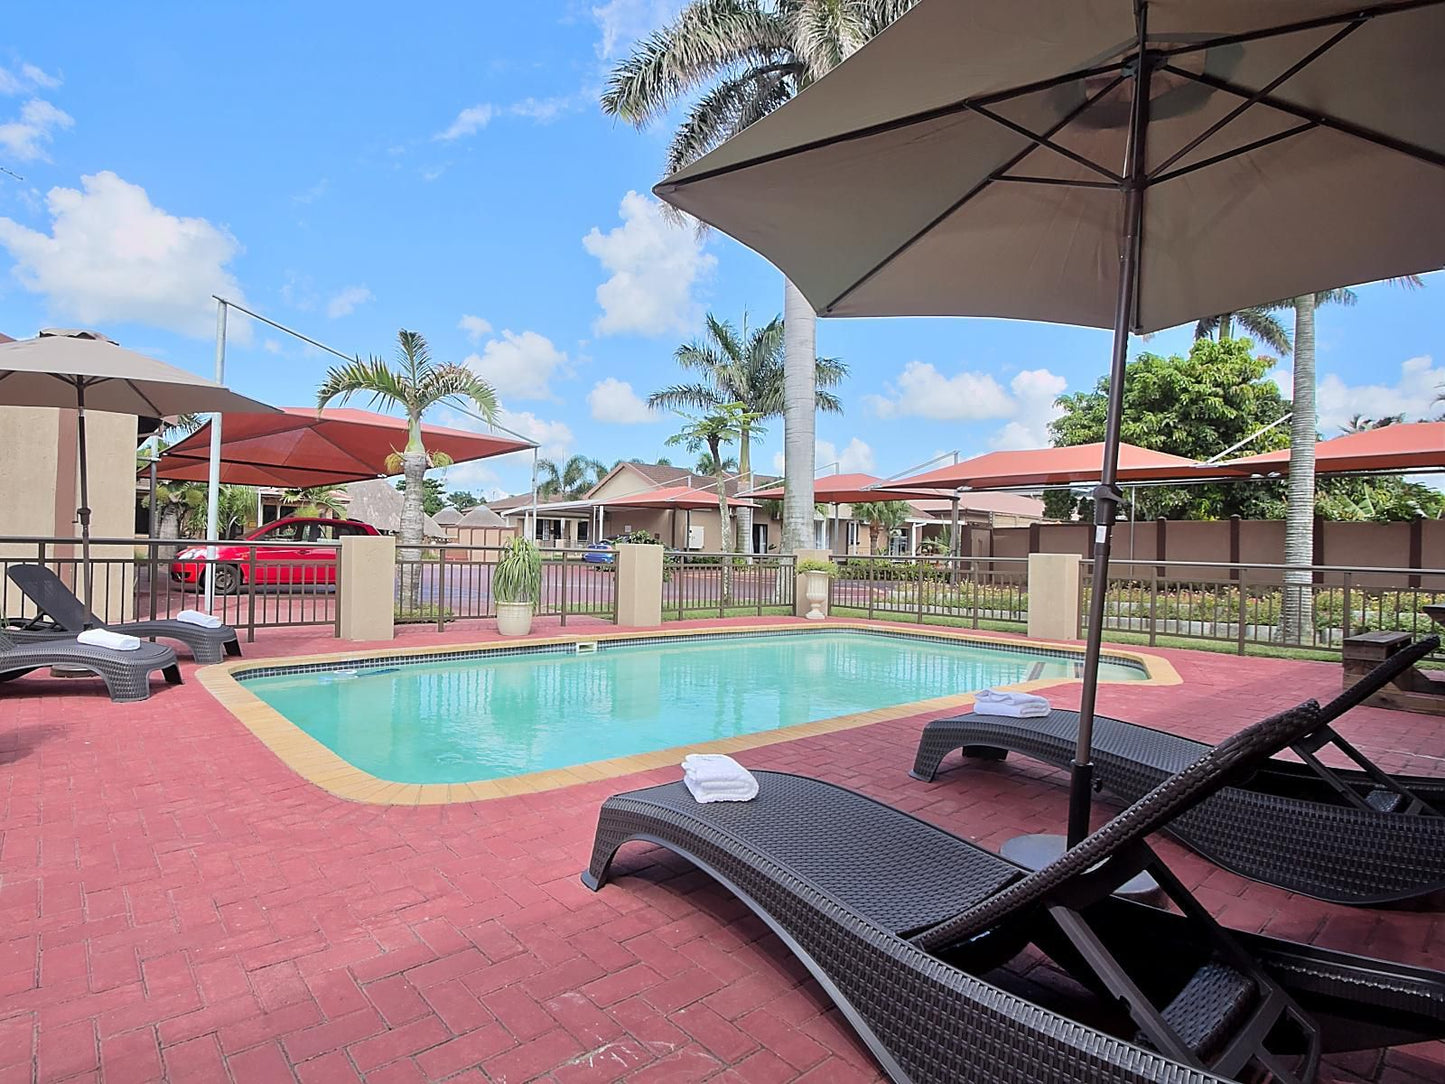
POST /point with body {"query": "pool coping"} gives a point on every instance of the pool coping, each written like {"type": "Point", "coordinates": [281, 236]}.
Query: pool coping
{"type": "Point", "coordinates": [319, 765]}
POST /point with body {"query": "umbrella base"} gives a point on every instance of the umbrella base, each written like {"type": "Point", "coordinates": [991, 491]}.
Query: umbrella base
{"type": "Point", "coordinates": [1037, 851]}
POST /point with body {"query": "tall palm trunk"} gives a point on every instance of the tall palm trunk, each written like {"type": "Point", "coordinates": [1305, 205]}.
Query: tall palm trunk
{"type": "Point", "coordinates": [1297, 612]}
{"type": "Point", "coordinates": [799, 408]}
{"type": "Point", "coordinates": [745, 474]}
{"type": "Point", "coordinates": [1226, 327]}
{"type": "Point", "coordinates": [724, 522]}
{"type": "Point", "coordinates": [413, 463]}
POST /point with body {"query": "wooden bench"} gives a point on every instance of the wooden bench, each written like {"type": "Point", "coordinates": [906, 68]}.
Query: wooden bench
{"type": "Point", "coordinates": [1414, 690]}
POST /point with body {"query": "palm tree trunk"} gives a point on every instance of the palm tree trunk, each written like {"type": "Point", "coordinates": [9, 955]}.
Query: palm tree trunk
{"type": "Point", "coordinates": [413, 465]}
{"type": "Point", "coordinates": [1226, 326]}
{"type": "Point", "coordinates": [745, 473]}
{"type": "Point", "coordinates": [1297, 612]}
{"type": "Point", "coordinates": [723, 523]}
{"type": "Point", "coordinates": [800, 355]}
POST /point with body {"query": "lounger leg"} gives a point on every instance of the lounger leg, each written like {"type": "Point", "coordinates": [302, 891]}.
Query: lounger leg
{"type": "Point", "coordinates": [610, 836]}
{"type": "Point", "coordinates": [931, 753]}
{"type": "Point", "coordinates": [233, 648]}
{"type": "Point", "coordinates": [172, 675]}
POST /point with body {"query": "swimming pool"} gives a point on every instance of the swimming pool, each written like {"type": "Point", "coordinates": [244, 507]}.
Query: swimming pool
{"type": "Point", "coordinates": [488, 715]}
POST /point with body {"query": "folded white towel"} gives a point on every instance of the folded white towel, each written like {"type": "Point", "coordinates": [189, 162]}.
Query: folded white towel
{"type": "Point", "coordinates": [711, 777]}
{"type": "Point", "coordinates": [116, 641]}
{"type": "Point", "coordinates": [197, 617]}
{"type": "Point", "coordinates": [1014, 705]}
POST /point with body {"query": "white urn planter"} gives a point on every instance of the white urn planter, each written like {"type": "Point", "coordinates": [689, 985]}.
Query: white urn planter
{"type": "Point", "coordinates": [514, 618]}
{"type": "Point", "coordinates": [815, 590]}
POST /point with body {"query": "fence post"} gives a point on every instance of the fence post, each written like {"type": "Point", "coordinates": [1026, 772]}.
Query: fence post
{"type": "Point", "coordinates": [251, 597]}
{"type": "Point", "coordinates": [1345, 617]}
{"type": "Point", "coordinates": [154, 563]}
{"type": "Point", "coordinates": [973, 576]}
{"type": "Point", "coordinates": [1154, 608]}
{"type": "Point", "coordinates": [871, 590]}
{"type": "Point", "coordinates": [1243, 607]}
{"type": "Point", "coordinates": [922, 578]}
{"type": "Point", "coordinates": [366, 588]}
{"type": "Point", "coordinates": [441, 591]}
{"type": "Point", "coordinates": [1054, 595]}
{"type": "Point", "coordinates": [565, 578]}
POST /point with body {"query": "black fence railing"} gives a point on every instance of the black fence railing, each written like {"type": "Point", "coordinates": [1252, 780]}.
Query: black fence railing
{"type": "Point", "coordinates": [726, 584]}
{"type": "Point", "coordinates": [976, 591]}
{"type": "Point", "coordinates": [453, 583]}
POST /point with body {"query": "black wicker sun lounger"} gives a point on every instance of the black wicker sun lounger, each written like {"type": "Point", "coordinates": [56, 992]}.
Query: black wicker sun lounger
{"type": "Point", "coordinates": [1357, 837]}
{"type": "Point", "coordinates": [907, 928]}
{"type": "Point", "coordinates": [63, 615]}
{"type": "Point", "coordinates": [126, 673]}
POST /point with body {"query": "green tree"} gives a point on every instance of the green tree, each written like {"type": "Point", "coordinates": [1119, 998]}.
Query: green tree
{"type": "Point", "coordinates": [316, 501]}
{"type": "Point", "coordinates": [414, 386]}
{"type": "Point", "coordinates": [1358, 423]}
{"type": "Point", "coordinates": [570, 480]}
{"type": "Point", "coordinates": [1195, 406]}
{"type": "Point", "coordinates": [463, 501]}
{"type": "Point", "coordinates": [176, 504]}
{"type": "Point", "coordinates": [733, 62]}
{"type": "Point", "coordinates": [705, 465]}
{"type": "Point", "coordinates": [235, 512]}
{"type": "Point", "coordinates": [1259, 322]}
{"type": "Point", "coordinates": [709, 433]}
{"type": "Point", "coordinates": [743, 365]}
{"type": "Point", "coordinates": [433, 497]}
{"type": "Point", "coordinates": [882, 517]}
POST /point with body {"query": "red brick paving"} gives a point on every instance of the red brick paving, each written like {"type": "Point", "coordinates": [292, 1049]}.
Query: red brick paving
{"type": "Point", "coordinates": [176, 903]}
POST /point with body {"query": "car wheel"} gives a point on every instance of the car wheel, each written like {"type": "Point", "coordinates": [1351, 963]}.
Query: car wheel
{"type": "Point", "coordinates": [227, 579]}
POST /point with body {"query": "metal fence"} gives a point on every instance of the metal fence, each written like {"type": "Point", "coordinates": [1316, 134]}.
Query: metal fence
{"type": "Point", "coordinates": [1253, 605]}
{"type": "Point", "coordinates": [970, 590]}
{"type": "Point", "coordinates": [258, 584]}
{"type": "Point", "coordinates": [698, 584]}
{"type": "Point", "coordinates": [451, 583]}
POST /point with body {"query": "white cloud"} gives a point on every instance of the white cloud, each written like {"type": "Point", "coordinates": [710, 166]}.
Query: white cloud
{"type": "Point", "coordinates": [544, 110]}
{"type": "Point", "coordinates": [345, 301]}
{"type": "Point", "coordinates": [856, 457]}
{"type": "Point", "coordinates": [520, 366]}
{"type": "Point", "coordinates": [27, 136]}
{"type": "Point", "coordinates": [112, 255]}
{"type": "Point", "coordinates": [25, 79]}
{"type": "Point", "coordinates": [555, 438]}
{"type": "Point", "coordinates": [314, 193]}
{"type": "Point", "coordinates": [1034, 392]}
{"type": "Point", "coordinates": [271, 346]}
{"type": "Point", "coordinates": [613, 400]}
{"type": "Point", "coordinates": [921, 391]}
{"type": "Point", "coordinates": [654, 264]}
{"type": "Point", "coordinates": [1413, 394]}
{"type": "Point", "coordinates": [619, 22]}
{"type": "Point", "coordinates": [475, 327]}
{"type": "Point", "coordinates": [469, 121]}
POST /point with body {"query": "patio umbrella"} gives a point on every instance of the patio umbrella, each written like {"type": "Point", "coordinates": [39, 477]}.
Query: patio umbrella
{"type": "Point", "coordinates": [1406, 448]}
{"type": "Point", "coordinates": [1056, 467]}
{"type": "Point", "coordinates": [85, 370]}
{"type": "Point", "coordinates": [1129, 164]}
{"type": "Point", "coordinates": [297, 446]}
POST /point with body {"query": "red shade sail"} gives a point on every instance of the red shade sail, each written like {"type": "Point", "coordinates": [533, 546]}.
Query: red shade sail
{"type": "Point", "coordinates": [672, 497]}
{"type": "Point", "coordinates": [299, 448]}
{"type": "Point", "coordinates": [846, 489]}
{"type": "Point", "coordinates": [1408, 446]}
{"type": "Point", "coordinates": [1056, 467]}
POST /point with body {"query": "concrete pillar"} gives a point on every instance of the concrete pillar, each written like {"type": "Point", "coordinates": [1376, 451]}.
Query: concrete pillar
{"type": "Point", "coordinates": [1054, 595]}
{"type": "Point", "coordinates": [801, 606]}
{"type": "Point", "coordinates": [638, 585]}
{"type": "Point", "coordinates": [366, 587]}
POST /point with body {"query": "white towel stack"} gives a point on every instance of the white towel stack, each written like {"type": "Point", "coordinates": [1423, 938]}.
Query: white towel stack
{"type": "Point", "coordinates": [116, 641]}
{"type": "Point", "coordinates": [712, 777]}
{"type": "Point", "coordinates": [197, 617]}
{"type": "Point", "coordinates": [1014, 705]}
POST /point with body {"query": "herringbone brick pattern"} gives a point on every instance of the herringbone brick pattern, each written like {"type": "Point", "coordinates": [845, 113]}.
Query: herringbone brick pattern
{"type": "Point", "coordinates": [176, 904]}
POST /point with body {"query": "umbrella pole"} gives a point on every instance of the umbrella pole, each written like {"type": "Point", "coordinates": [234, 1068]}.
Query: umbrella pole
{"type": "Point", "coordinates": [1107, 495]}
{"type": "Point", "coordinates": [83, 512]}
{"type": "Point", "coordinates": [213, 490]}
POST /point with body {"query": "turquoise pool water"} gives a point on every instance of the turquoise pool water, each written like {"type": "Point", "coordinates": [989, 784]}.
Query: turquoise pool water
{"type": "Point", "coordinates": [463, 720]}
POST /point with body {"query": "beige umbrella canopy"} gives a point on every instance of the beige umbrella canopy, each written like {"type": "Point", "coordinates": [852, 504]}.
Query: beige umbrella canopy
{"type": "Point", "coordinates": [83, 370]}
{"type": "Point", "coordinates": [1131, 164]}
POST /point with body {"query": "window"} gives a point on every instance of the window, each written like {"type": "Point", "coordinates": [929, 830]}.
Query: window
{"type": "Point", "coordinates": [584, 531]}
{"type": "Point", "coordinates": [286, 532]}
{"type": "Point", "coordinates": [852, 533]}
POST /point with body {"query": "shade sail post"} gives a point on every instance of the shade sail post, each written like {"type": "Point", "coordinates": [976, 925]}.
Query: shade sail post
{"type": "Point", "coordinates": [83, 512]}
{"type": "Point", "coordinates": [1107, 495]}
{"type": "Point", "coordinates": [213, 480]}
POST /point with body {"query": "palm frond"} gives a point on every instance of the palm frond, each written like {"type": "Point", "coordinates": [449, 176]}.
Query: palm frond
{"type": "Point", "coordinates": [826, 32]}
{"type": "Point", "coordinates": [458, 383]}
{"type": "Point", "coordinates": [726, 109]}
{"type": "Point", "coordinates": [372, 377]}
{"type": "Point", "coordinates": [685, 397]}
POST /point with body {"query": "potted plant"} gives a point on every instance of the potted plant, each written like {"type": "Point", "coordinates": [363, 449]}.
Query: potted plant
{"type": "Point", "coordinates": [516, 584]}
{"type": "Point", "coordinates": [816, 576]}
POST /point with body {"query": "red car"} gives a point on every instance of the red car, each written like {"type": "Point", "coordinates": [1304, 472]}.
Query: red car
{"type": "Point", "coordinates": [294, 551]}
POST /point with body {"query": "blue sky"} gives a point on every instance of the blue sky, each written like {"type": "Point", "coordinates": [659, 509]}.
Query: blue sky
{"type": "Point", "coordinates": [348, 171]}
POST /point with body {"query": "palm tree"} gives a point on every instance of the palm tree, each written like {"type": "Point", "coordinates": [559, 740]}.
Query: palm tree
{"type": "Point", "coordinates": [705, 465]}
{"type": "Point", "coordinates": [1297, 611]}
{"type": "Point", "coordinates": [707, 434]}
{"type": "Point", "coordinates": [414, 386]}
{"type": "Point", "coordinates": [176, 503]}
{"type": "Point", "coordinates": [881, 516]}
{"type": "Point", "coordinates": [316, 501]}
{"type": "Point", "coordinates": [1258, 321]}
{"type": "Point", "coordinates": [736, 61]}
{"type": "Point", "coordinates": [743, 365]}
{"type": "Point", "coordinates": [1358, 423]}
{"type": "Point", "coordinates": [570, 480]}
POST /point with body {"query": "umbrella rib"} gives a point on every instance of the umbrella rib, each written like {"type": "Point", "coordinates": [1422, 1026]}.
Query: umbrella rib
{"type": "Point", "coordinates": [1284, 76]}
{"type": "Point", "coordinates": [144, 398]}
{"type": "Point", "coordinates": [1359, 131]}
{"type": "Point", "coordinates": [1045, 141]}
{"type": "Point", "coordinates": [1298, 129]}
{"type": "Point", "coordinates": [972, 192]}
{"type": "Point", "coordinates": [937, 113]}
{"type": "Point", "coordinates": [1060, 181]}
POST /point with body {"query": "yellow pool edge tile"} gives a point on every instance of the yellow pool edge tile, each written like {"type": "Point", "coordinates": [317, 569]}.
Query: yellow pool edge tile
{"type": "Point", "coordinates": [318, 765]}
